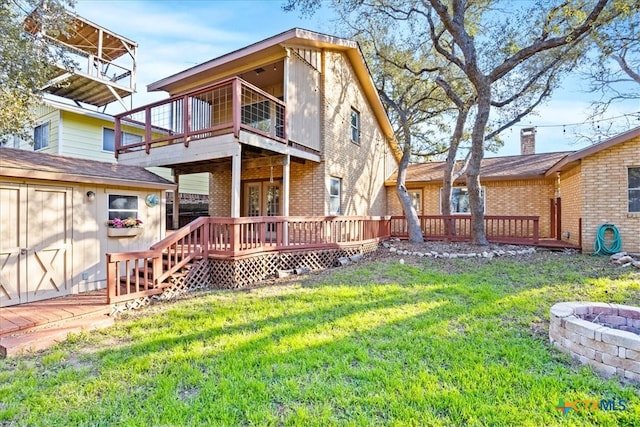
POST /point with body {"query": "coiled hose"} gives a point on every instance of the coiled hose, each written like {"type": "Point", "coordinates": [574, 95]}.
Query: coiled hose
{"type": "Point", "coordinates": [602, 246]}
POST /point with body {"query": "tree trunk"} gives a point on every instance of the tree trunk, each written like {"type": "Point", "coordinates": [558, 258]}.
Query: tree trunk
{"type": "Point", "coordinates": [413, 222]}
{"type": "Point", "coordinates": [476, 205]}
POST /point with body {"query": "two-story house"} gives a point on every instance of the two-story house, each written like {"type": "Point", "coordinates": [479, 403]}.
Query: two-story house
{"type": "Point", "coordinates": [288, 126]}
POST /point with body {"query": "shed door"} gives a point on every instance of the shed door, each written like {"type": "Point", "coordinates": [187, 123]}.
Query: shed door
{"type": "Point", "coordinates": [36, 243]}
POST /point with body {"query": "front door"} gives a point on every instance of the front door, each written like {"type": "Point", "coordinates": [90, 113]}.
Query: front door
{"type": "Point", "coordinates": [35, 243]}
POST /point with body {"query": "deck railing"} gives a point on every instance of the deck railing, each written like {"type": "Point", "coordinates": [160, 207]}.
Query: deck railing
{"type": "Point", "coordinates": [222, 108]}
{"type": "Point", "coordinates": [456, 228]}
{"type": "Point", "coordinates": [143, 273]}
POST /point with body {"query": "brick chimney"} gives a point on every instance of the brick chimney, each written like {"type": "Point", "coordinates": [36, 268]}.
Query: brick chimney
{"type": "Point", "coordinates": [527, 141]}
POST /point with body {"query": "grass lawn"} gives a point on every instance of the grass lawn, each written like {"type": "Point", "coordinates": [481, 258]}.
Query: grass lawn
{"type": "Point", "coordinates": [432, 342]}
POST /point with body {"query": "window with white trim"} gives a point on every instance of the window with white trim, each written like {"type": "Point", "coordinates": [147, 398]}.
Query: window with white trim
{"type": "Point", "coordinates": [123, 207]}
{"type": "Point", "coordinates": [335, 195]}
{"type": "Point", "coordinates": [460, 200]}
{"type": "Point", "coordinates": [634, 189]}
{"type": "Point", "coordinates": [41, 136]}
{"type": "Point", "coordinates": [355, 126]}
{"type": "Point", "coordinates": [109, 139]}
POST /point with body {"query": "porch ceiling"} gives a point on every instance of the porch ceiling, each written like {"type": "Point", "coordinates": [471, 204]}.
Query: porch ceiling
{"type": "Point", "coordinates": [250, 155]}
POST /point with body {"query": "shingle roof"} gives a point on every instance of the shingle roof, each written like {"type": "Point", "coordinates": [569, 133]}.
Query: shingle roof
{"type": "Point", "coordinates": [29, 164]}
{"type": "Point", "coordinates": [593, 149]}
{"type": "Point", "coordinates": [492, 168]}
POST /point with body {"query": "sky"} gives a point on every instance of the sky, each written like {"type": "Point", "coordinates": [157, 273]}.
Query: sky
{"type": "Point", "coordinates": [175, 35]}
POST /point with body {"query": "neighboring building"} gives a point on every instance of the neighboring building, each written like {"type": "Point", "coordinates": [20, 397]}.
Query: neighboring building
{"type": "Point", "coordinates": [69, 130]}
{"type": "Point", "coordinates": [291, 125]}
{"type": "Point", "coordinates": [53, 226]}
{"type": "Point", "coordinates": [105, 74]}
{"type": "Point", "coordinates": [573, 193]}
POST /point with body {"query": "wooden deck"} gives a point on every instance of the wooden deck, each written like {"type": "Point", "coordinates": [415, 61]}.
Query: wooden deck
{"type": "Point", "coordinates": [38, 325]}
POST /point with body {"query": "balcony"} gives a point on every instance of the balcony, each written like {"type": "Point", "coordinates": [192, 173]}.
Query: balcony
{"type": "Point", "coordinates": [209, 115]}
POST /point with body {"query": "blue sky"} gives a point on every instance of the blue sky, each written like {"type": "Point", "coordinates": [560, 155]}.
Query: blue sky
{"type": "Point", "coordinates": [175, 35]}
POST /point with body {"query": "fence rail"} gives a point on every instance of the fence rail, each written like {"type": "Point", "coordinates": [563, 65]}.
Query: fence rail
{"type": "Point", "coordinates": [143, 273]}
{"type": "Point", "coordinates": [456, 228]}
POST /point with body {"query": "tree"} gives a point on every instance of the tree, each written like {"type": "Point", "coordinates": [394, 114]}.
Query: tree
{"type": "Point", "coordinates": [25, 60]}
{"type": "Point", "coordinates": [614, 66]}
{"type": "Point", "coordinates": [511, 56]}
{"type": "Point", "coordinates": [411, 103]}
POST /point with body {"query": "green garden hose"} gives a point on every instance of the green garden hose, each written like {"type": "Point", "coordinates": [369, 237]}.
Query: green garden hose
{"type": "Point", "coordinates": [604, 246]}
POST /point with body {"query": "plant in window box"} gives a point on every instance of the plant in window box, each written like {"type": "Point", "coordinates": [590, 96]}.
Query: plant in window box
{"type": "Point", "coordinates": [127, 227]}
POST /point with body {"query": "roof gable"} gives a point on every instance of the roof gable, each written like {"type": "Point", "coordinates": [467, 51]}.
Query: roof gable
{"type": "Point", "coordinates": [576, 156]}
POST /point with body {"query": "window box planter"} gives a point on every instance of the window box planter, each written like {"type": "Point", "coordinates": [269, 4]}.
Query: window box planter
{"type": "Point", "coordinates": [123, 232]}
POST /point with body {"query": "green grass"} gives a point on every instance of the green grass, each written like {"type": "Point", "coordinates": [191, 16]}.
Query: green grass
{"type": "Point", "coordinates": [436, 342]}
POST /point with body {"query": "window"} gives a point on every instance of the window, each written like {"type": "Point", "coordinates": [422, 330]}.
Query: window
{"type": "Point", "coordinates": [355, 126]}
{"type": "Point", "coordinates": [335, 190]}
{"type": "Point", "coordinates": [634, 189]}
{"type": "Point", "coordinates": [123, 207]}
{"type": "Point", "coordinates": [460, 200]}
{"type": "Point", "coordinates": [416, 200]}
{"type": "Point", "coordinates": [41, 136]}
{"type": "Point", "coordinates": [109, 139]}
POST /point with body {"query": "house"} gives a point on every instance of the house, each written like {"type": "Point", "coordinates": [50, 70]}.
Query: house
{"type": "Point", "coordinates": [599, 185]}
{"type": "Point", "coordinates": [573, 193]}
{"type": "Point", "coordinates": [53, 226]}
{"type": "Point", "coordinates": [288, 126]}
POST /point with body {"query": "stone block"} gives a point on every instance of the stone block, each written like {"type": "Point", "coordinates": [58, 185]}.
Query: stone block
{"type": "Point", "coordinates": [582, 327]}
{"type": "Point", "coordinates": [599, 346]}
{"type": "Point", "coordinates": [626, 364]}
{"type": "Point", "coordinates": [631, 354]}
{"type": "Point", "coordinates": [587, 352]}
{"type": "Point", "coordinates": [632, 376]}
{"type": "Point", "coordinates": [603, 369]}
{"type": "Point", "coordinates": [621, 339]}
{"type": "Point", "coordinates": [613, 320]}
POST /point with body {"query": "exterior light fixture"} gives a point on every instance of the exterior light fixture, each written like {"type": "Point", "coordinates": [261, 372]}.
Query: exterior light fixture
{"type": "Point", "coordinates": [91, 196]}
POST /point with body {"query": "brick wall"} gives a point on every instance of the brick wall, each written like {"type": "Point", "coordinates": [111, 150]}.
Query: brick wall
{"type": "Point", "coordinates": [571, 198]}
{"type": "Point", "coordinates": [362, 166]}
{"type": "Point", "coordinates": [605, 190]}
{"type": "Point", "coordinates": [220, 193]}
{"type": "Point", "coordinates": [517, 197]}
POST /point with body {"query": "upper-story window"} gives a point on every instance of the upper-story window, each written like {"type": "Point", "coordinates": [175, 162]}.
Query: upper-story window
{"type": "Point", "coordinates": [109, 139]}
{"type": "Point", "coordinates": [355, 126]}
{"type": "Point", "coordinates": [634, 190]}
{"type": "Point", "coordinates": [41, 136]}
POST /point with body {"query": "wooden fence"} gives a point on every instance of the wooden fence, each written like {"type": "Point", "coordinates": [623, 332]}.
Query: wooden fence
{"type": "Point", "coordinates": [137, 274]}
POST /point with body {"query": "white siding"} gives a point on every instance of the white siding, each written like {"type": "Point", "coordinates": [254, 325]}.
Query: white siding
{"type": "Point", "coordinates": [303, 98]}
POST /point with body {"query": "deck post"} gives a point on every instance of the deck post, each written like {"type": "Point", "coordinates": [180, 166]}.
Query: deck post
{"type": "Point", "coordinates": [175, 217]}
{"type": "Point", "coordinates": [286, 172]}
{"type": "Point", "coordinates": [236, 164]}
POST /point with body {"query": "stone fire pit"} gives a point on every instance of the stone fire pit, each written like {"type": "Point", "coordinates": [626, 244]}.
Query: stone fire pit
{"type": "Point", "coordinates": [604, 336]}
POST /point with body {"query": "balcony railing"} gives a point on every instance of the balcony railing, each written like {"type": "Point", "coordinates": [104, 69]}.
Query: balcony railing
{"type": "Point", "coordinates": [222, 108]}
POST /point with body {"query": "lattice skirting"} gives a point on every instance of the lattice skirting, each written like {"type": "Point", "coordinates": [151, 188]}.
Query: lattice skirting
{"type": "Point", "coordinates": [240, 272]}
{"type": "Point", "coordinates": [196, 276]}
